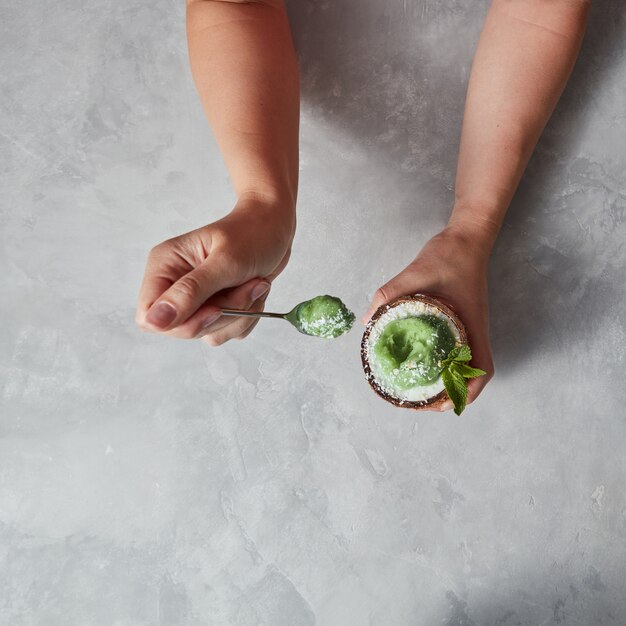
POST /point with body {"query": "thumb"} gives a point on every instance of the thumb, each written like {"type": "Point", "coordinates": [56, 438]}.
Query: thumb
{"type": "Point", "coordinates": [187, 294]}
{"type": "Point", "coordinates": [401, 285]}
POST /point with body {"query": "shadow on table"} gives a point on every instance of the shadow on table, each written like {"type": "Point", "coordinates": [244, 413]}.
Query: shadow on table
{"type": "Point", "coordinates": [582, 601]}
{"type": "Point", "coordinates": [389, 74]}
{"type": "Point", "coordinates": [549, 275]}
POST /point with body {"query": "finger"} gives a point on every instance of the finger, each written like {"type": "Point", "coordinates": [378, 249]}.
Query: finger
{"type": "Point", "coordinates": [208, 317]}
{"type": "Point", "coordinates": [478, 339]}
{"type": "Point", "coordinates": [244, 301]}
{"type": "Point", "coordinates": [476, 385]}
{"type": "Point", "coordinates": [188, 293]}
{"type": "Point", "coordinates": [226, 333]}
{"type": "Point", "coordinates": [250, 329]}
{"type": "Point", "coordinates": [482, 359]}
{"type": "Point", "coordinates": [239, 328]}
{"type": "Point", "coordinates": [152, 286]}
{"type": "Point", "coordinates": [398, 286]}
{"type": "Point", "coordinates": [158, 277]}
{"type": "Point", "coordinates": [151, 289]}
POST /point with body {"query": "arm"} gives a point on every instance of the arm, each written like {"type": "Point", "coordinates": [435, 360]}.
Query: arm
{"type": "Point", "coordinates": [524, 57]}
{"type": "Point", "coordinates": [245, 70]}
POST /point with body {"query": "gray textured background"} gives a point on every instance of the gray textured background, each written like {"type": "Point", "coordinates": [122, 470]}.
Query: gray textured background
{"type": "Point", "coordinates": [152, 481]}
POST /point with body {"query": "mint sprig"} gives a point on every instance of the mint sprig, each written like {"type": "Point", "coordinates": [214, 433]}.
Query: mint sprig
{"type": "Point", "coordinates": [455, 373]}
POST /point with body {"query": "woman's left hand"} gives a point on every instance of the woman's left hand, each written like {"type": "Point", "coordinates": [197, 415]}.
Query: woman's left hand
{"type": "Point", "coordinates": [453, 268]}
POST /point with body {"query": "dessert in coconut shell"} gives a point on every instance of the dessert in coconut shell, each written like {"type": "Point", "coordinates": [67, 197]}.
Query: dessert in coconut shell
{"type": "Point", "coordinates": [403, 346]}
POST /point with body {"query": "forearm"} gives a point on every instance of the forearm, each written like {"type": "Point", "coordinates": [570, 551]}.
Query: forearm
{"type": "Point", "coordinates": [245, 69]}
{"type": "Point", "coordinates": [524, 57]}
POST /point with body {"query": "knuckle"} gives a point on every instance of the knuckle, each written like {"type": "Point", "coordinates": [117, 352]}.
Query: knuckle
{"type": "Point", "coordinates": [172, 241]}
{"type": "Point", "coordinates": [211, 340]}
{"type": "Point", "coordinates": [382, 296]}
{"type": "Point", "coordinates": [216, 339]}
{"type": "Point", "coordinates": [188, 286]}
{"type": "Point", "coordinates": [221, 336]}
{"type": "Point", "coordinates": [243, 300]}
{"type": "Point", "coordinates": [184, 246]}
{"type": "Point", "coordinates": [158, 250]}
{"type": "Point", "coordinates": [377, 300]}
{"type": "Point", "coordinates": [220, 340]}
{"type": "Point", "coordinates": [379, 294]}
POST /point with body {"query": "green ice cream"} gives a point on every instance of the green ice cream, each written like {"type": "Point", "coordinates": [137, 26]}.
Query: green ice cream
{"type": "Point", "coordinates": [410, 350]}
{"type": "Point", "coordinates": [322, 316]}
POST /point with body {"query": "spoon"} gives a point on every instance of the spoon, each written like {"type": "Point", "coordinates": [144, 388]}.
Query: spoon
{"type": "Point", "coordinates": [322, 316]}
{"type": "Point", "coordinates": [291, 317]}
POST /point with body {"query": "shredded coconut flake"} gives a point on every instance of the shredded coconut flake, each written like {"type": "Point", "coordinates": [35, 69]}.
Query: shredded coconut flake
{"type": "Point", "coordinates": [325, 326]}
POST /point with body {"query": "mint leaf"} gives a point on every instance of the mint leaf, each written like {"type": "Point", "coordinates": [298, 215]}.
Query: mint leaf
{"type": "Point", "coordinates": [456, 388]}
{"type": "Point", "coordinates": [464, 354]}
{"type": "Point", "coordinates": [466, 371]}
{"type": "Point", "coordinates": [460, 353]}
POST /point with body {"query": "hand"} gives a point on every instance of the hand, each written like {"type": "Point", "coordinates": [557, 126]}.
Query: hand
{"type": "Point", "coordinates": [230, 263]}
{"type": "Point", "coordinates": [453, 267]}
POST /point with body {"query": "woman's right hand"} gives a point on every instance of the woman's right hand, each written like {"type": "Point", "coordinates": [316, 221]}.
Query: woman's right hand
{"type": "Point", "coordinates": [230, 263]}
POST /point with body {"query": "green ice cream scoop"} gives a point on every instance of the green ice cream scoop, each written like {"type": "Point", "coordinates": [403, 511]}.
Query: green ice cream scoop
{"type": "Point", "coordinates": [322, 316]}
{"type": "Point", "coordinates": [410, 350]}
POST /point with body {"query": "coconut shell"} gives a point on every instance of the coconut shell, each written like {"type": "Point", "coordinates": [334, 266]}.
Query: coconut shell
{"type": "Point", "coordinates": [433, 403]}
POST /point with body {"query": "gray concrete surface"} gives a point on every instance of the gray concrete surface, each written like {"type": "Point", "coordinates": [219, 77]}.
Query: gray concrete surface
{"type": "Point", "coordinates": [147, 481]}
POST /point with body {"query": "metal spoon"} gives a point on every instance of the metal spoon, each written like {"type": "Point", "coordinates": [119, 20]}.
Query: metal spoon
{"type": "Point", "coordinates": [291, 317]}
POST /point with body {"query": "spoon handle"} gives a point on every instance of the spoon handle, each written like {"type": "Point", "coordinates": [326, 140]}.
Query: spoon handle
{"type": "Point", "coordinates": [251, 313]}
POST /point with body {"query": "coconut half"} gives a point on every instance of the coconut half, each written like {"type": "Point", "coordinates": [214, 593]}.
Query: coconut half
{"type": "Point", "coordinates": [427, 397]}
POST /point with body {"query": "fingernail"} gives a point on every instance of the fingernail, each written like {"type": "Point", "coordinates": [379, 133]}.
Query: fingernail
{"type": "Point", "coordinates": [212, 317]}
{"type": "Point", "coordinates": [161, 314]}
{"type": "Point", "coordinates": [260, 290]}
